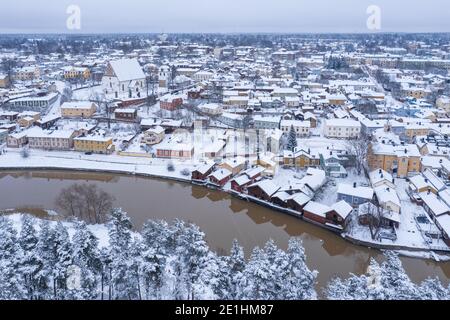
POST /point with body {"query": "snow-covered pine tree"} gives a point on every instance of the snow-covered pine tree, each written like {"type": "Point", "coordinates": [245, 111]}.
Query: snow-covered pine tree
{"type": "Point", "coordinates": [86, 256]}
{"type": "Point", "coordinates": [192, 252]}
{"type": "Point", "coordinates": [11, 279]}
{"type": "Point", "coordinates": [432, 289]}
{"type": "Point", "coordinates": [124, 285]}
{"type": "Point", "coordinates": [30, 263]}
{"type": "Point", "coordinates": [214, 279]}
{"type": "Point", "coordinates": [46, 254]}
{"type": "Point", "coordinates": [300, 281]}
{"type": "Point", "coordinates": [63, 260]}
{"type": "Point", "coordinates": [236, 266]}
{"type": "Point", "coordinates": [154, 254]}
{"type": "Point", "coordinates": [387, 281]}
{"type": "Point", "coordinates": [253, 284]}
{"type": "Point", "coordinates": [395, 282]}
{"type": "Point", "coordinates": [292, 139]}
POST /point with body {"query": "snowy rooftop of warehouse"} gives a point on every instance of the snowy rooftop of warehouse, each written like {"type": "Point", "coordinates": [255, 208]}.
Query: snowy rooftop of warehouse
{"type": "Point", "coordinates": [342, 208]}
{"type": "Point", "coordinates": [268, 186]}
{"type": "Point", "coordinates": [317, 208]}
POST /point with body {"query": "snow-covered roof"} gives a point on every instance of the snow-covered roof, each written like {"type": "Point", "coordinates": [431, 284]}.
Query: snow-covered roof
{"type": "Point", "coordinates": [380, 175]}
{"type": "Point", "coordinates": [77, 105]}
{"type": "Point", "coordinates": [221, 174]}
{"type": "Point", "coordinates": [317, 208]}
{"type": "Point", "coordinates": [127, 69]}
{"type": "Point", "coordinates": [436, 205]}
{"type": "Point", "coordinates": [342, 208]}
{"type": "Point", "coordinates": [386, 194]}
{"type": "Point", "coordinates": [300, 198]}
{"type": "Point", "coordinates": [267, 186]}
{"type": "Point", "coordinates": [360, 192]}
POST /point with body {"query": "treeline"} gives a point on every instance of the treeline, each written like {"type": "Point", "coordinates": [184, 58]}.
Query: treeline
{"type": "Point", "coordinates": [56, 261]}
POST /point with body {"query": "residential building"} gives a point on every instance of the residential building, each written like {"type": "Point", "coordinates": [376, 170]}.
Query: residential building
{"type": "Point", "coordinates": [94, 144]}
{"type": "Point", "coordinates": [79, 109]}
{"type": "Point", "coordinates": [342, 128]}
{"type": "Point", "coordinates": [399, 160]}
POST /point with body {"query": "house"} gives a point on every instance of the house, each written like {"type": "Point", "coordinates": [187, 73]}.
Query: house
{"type": "Point", "coordinates": [387, 198]}
{"type": "Point", "coordinates": [301, 128]}
{"type": "Point", "coordinates": [202, 172]}
{"type": "Point", "coordinates": [70, 73]}
{"type": "Point", "coordinates": [247, 178]}
{"type": "Point", "coordinates": [316, 212]}
{"type": "Point", "coordinates": [51, 140]}
{"type": "Point", "coordinates": [175, 149]}
{"type": "Point", "coordinates": [79, 109]}
{"type": "Point", "coordinates": [153, 136]}
{"type": "Point", "coordinates": [220, 177]}
{"type": "Point", "coordinates": [171, 102]}
{"type": "Point", "coordinates": [27, 73]}
{"type": "Point", "coordinates": [434, 205]}
{"type": "Point", "coordinates": [35, 102]}
{"type": "Point", "coordinates": [124, 79]}
{"type": "Point", "coordinates": [331, 163]}
{"type": "Point", "coordinates": [342, 128]}
{"type": "Point", "coordinates": [17, 140]}
{"type": "Point", "coordinates": [263, 190]}
{"type": "Point", "coordinates": [4, 81]}
{"type": "Point", "coordinates": [95, 144]}
{"type": "Point", "coordinates": [381, 178]}
{"type": "Point", "coordinates": [354, 195]}
{"type": "Point", "coordinates": [339, 214]}
{"type": "Point", "coordinates": [240, 183]}
{"type": "Point", "coordinates": [26, 122]}
{"type": "Point", "coordinates": [234, 165]}
{"type": "Point", "coordinates": [301, 158]}
{"type": "Point", "coordinates": [125, 114]}
{"type": "Point", "coordinates": [388, 219]}
{"type": "Point", "coordinates": [280, 199]}
{"type": "Point", "coordinates": [399, 160]}
{"type": "Point", "coordinates": [298, 201]}
{"type": "Point", "coordinates": [261, 122]}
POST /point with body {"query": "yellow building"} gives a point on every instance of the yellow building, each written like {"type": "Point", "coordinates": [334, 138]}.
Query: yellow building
{"type": "Point", "coordinates": [412, 131]}
{"type": "Point", "coordinates": [94, 144]}
{"type": "Point", "coordinates": [402, 160]}
{"type": "Point", "coordinates": [81, 109]}
{"type": "Point", "coordinates": [301, 159]}
{"type": "Point", "coordinates": [4, 81]}
{"type": "Point", "coordinates": [76, 73]}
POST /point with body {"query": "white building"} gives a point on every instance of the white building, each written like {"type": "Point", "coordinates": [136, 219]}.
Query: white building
{"type": "Point", "coordinates": [342, 128]}
{"type": "Point", "coordinates": [302, 128]}
{"type": "Point", "coordinates": [124, 79]}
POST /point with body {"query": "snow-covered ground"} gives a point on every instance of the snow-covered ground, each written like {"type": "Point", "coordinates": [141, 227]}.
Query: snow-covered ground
{"type": "Point", "coordinates": [109, 163]}
{"type": "Point", "coordinates": [100, 231]}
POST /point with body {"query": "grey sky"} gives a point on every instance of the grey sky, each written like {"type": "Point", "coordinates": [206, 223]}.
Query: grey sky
{"type": "Point", "coordinates": [109, 16]}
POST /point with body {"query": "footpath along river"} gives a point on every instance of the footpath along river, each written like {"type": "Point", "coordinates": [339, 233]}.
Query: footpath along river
{"type": "Point", "coordinates": [221, 216]}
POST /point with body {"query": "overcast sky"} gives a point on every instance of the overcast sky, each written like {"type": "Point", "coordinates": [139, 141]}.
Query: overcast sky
{"type": "Point", "coordinates": [170, 16]}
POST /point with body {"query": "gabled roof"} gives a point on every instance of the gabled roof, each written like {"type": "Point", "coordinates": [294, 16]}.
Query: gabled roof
{"type": "Point", "coordinates": [127, 69]}
{"type": "Point", "coordinates": [342, 208]}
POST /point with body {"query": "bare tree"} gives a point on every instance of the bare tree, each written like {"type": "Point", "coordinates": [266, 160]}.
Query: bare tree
{"type": "Point", "coordinates": [86, 202]}
{"type": "Point", "coordinates": [359, 149]}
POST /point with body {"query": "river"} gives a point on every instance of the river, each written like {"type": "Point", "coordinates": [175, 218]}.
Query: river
{"type": "Point", "coordinates": [222, 217]}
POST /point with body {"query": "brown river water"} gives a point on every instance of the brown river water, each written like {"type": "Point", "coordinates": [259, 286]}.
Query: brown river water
{"type": "Point", "coordinates": [222, 217]}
